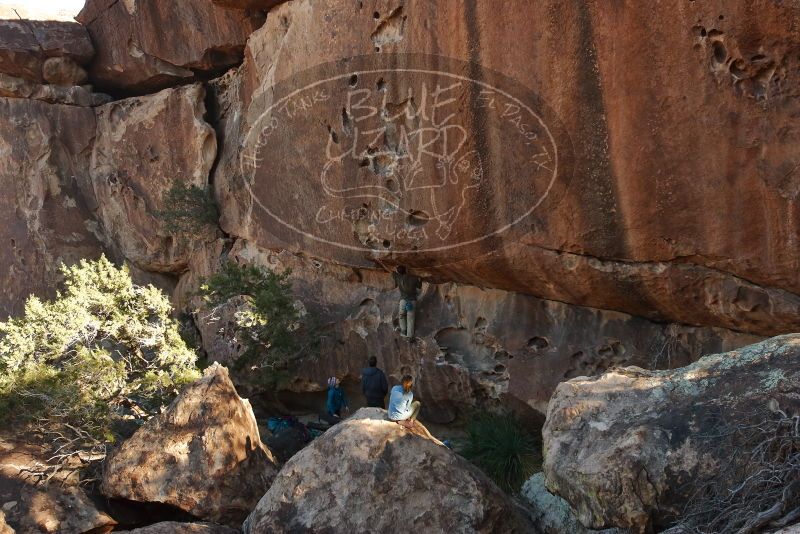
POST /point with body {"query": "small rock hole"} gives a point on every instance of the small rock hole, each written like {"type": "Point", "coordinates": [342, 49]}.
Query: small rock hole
{"type": "Point", "coordinates": [720, 53]}
{"type": "Point", "coordinates": [538, 343]}
{"type": "Point", "coordinates": [353, 80]}
{"type": "Point", "coordinates": [334, 136]}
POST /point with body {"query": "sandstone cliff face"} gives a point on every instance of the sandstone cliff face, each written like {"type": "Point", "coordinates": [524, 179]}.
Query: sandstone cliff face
{"type": "Point", "coordinates": [44, 153]}
{"type": "Point", "coordinates": [31, 49]}
{"type": "Point", "coordinates": [146, 45]}
{"type": "Point", "coordinates": [668, 231]}
{"type": "Point", "coordinates": [647, 216]}
{"type": "Point", "coordinates": [475, 344]}
{"type": "Point", "coordinates": [71, 95]}
{"type": "Point", "coordinates": [145, 145]}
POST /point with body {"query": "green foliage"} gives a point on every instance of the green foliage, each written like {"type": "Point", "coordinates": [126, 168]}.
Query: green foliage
{"type": "Point", "coordinates": [103, 348]}
{"type": "Point", "coordinates": [502, 447]}
{"type": "Point", "coordinates": [275, 334]}
{"type": "Point", "coordinates": [190, 209]}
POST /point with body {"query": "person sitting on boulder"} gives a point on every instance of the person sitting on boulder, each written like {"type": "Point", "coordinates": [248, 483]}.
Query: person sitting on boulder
{"type": "Point", "coordinates": [336, 399]}
{"type": "Point", "coordinates": [373, 384]}
{"type": "Point", "coordinates": [403, 409]}
{"type": "Point", "coordinates": [409, 286]}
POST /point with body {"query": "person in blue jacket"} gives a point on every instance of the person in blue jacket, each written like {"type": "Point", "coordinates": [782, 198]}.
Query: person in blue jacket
{"type": "Point", "coordinates": [336, 399]}
{"type": "Point", "coordinates": [402, 407]}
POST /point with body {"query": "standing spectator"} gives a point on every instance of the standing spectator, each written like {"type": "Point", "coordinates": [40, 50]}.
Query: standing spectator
{"type": "Point", "coordinates": [336, 398]}
{"type": "Point", "coordinates": [373, 384]}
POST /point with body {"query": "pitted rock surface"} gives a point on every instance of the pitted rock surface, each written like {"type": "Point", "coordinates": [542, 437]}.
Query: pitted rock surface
{"type": "Point", "coordinates": [474, 344]}
{"type": "Point", "coordinates": [144, 146]}
{"type": "Point", "coordinates": [665, 235]}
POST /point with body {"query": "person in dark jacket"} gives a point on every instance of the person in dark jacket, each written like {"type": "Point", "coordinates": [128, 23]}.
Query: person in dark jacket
{"type": "Point", "coordinates": [409, 286]}
{"type": "Point", "coordinates": [336, 399]}
{"type": "Point", "coordinates": [374, 384]}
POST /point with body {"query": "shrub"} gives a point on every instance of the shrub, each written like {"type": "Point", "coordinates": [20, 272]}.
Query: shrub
{"type": "Point", "coordinates": [104, 348]}
{"type": "Point", "coordinates": [503, 449]}
{"type": "Point", "coordinates": [756, 486]}
{"type": "Point", "coordinates": [275, 332]}
{"type": "Point", "coordinates": [190, 209]}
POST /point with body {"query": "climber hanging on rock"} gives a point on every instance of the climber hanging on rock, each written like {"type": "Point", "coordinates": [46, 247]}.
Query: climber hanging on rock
{"type": "Point", "coordinates": [409, 286]}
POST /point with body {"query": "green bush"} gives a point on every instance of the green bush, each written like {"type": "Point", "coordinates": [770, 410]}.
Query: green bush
{"type": "Point", "coordinates": [503, 449]}
{"type": "Point", "coordinates": [275, 334]}
{"type": "Point", "coordinates": [189, 209]}
{"type": "Point", "coordinates": [103, 349]}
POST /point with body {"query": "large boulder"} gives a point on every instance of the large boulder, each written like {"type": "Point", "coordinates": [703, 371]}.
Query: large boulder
{"type": "Point", "coordinates": [145, 146]}
{"type": "Point", "coordinates": [550, 513]}
{"type": "Point", "coordinates": [203, 455]}
{"type": "Point", "coordinates": [666, 234]}
{"type": "Point", "coordinates": [58, 510]}
{"type": "Point", "coordinates": [35, 49]}
{"type": "Point", "coordinates": [171, 527]}
{"type": "Point", "coordinates": [146, 45]}
{"type": "Point", "coordinates": [4, 528]}
{"type": "Point", "coordinates": [59, 507]}
{"type": "Point", "coordinates": [44, 220]}
{"type": "Point", "coordinates": [631, 447]}
{"type": "Point", "coordinates": [369, 474]}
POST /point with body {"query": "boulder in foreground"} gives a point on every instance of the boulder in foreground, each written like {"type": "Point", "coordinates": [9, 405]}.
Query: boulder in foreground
{"type": "Point", "coordinates": [203, 455]}
{"type": "Point", "coordinates": [550, 513]}
{"type": "Point", "coordinates": [368, 474]}
{"type": "Point", "coordinates": [172, 527]}
{"type": "Point", "coordinates": [4, 528]}
{"type": "Point", "coordinates": [631, 447]}
{"type": "Point", "coordinates": [58, 510]}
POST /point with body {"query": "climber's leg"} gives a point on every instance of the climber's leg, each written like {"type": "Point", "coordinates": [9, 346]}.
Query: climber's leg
{"type": "Point", "coordinates": [402, 317]}
{"type": "Point", "coordinates": [411, 314]}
